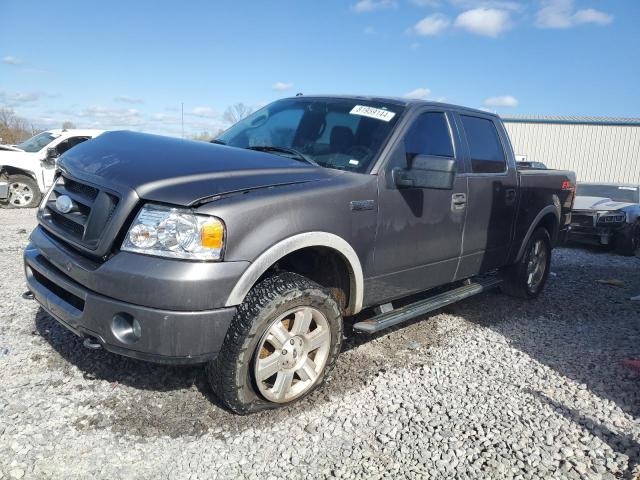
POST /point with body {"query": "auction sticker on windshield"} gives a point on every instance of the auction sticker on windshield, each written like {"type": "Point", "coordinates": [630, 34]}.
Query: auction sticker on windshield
{"type": "Point", "coordinates": [372, 112]}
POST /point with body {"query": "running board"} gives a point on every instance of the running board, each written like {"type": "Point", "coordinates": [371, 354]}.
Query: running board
{"type": "Point", "coordinates": [402, 314]}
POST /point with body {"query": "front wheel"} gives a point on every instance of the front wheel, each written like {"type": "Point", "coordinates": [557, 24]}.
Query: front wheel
{"type": "Point", "coordinates": [23, 192]}
{"type": "Point", "coordinates": [627, 242]}
{"type": "Point", "coordinates": [527, 277]}
{"type": "Point", "coordinates": [280, 346]}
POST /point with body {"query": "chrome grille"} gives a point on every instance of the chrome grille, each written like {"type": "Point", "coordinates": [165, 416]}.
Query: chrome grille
{"type": "Point", "coordinates": [92, 210]}
{"type": "Point", "coordinates": [582, 220]}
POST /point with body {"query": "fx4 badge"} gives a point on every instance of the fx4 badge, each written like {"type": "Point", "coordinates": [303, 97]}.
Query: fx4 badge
{"type": "Point", "coordinates": [359, 205]}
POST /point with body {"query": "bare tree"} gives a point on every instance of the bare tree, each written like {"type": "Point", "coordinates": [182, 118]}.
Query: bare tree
{"type": "Point", "coordinates": [14, 129]}
{"type": "Point", "coordinates": [66, 125]}
{"type": "Point", "coordinates": [205, 136]}
{"type": "Point", "coordinates": [237, 112]}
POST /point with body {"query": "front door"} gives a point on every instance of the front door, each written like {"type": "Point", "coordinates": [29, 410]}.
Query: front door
{"type": "Point", "coordinates": [419, 234]}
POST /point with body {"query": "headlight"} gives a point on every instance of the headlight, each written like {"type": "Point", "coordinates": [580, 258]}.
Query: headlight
{"type": "Point", "coordinates": [613, 218]}
{"type": "Point", "coordinates": [176, 233]}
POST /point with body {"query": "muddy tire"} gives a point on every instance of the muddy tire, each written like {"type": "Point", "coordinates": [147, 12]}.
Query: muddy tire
{"type": "Point", "coordinates": [527, 277]}
{"type": "Point", "coordinates": [627, 242]}
{"type": "Point", "coordinates": [280, 346]}
{"type": "Point", "coordinates": [23, 192]}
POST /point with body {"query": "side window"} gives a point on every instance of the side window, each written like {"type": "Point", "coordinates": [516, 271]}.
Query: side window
{"type": "Point", "coordinates": [487, 154]}
{"type": "Point", "coordinates": [429, 135]}
{"type": "Point", "coordinates": [69, 143]}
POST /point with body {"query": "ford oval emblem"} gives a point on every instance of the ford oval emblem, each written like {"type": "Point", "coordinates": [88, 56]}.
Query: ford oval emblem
{"type": "Point", "coordinates": [64, 204]}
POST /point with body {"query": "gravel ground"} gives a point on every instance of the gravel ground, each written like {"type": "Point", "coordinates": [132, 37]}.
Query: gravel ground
{"type": "Point", "coordinates": [493, 387]}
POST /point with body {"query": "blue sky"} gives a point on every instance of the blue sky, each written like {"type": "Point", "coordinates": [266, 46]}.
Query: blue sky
{"type": "Point", "coordinates": [130, 64]}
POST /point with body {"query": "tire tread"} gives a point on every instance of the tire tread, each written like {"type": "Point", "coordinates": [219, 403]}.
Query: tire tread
{"type": "Point", "coordinates": [224, 373]}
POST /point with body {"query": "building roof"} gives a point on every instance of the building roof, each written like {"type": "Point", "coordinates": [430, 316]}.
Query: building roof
{"type": "Point", "coordinates": [617, 121]}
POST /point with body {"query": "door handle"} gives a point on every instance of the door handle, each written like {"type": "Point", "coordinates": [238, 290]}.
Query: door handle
{"type": "Point", "coordinates": [458, 201]}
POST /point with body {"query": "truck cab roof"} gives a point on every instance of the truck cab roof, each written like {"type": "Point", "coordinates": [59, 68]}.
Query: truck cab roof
{"type": "Point", "coordinates": [76, 131]}
{"type": "Point", "coordinates": [402, 101]}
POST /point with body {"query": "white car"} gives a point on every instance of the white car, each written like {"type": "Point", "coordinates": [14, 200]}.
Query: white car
{"type": "Point", "coordinates": [27, 169]}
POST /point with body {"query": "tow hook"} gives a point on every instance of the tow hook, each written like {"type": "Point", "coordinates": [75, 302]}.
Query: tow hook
{"type": "Point", "coordinates": [28, 295]}
{"type": "Point", "coordinates": [91, 343]}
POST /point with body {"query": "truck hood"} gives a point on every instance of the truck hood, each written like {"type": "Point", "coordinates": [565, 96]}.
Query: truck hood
{"type": "Point", "coordinates": [10, 148]}
{"type": "Point", "coordinates": [180, 172]}
{"type": "Point", "coordinates": [599, 204]}
{"type": "Point", "coordinates": [15, 158]}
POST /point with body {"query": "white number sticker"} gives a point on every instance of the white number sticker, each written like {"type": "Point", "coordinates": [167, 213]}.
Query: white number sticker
{"type": "Point", "coordinates": [372, 112]}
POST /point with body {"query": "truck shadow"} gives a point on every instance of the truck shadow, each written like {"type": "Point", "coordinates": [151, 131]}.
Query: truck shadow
{"type": "Point", "coordinates": [564, 333]}
{"type": "Point", "coordinates": [618, 442]}
{"type": "Point", "coordinates": [177, 401]}
{"type": "Point", "coordinates": [584, 337]}
{"type": "Point", "coordinates": [102, 365]}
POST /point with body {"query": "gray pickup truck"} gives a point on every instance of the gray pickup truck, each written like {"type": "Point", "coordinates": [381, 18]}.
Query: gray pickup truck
{"type": "Point", "coordinates": [249, 252]}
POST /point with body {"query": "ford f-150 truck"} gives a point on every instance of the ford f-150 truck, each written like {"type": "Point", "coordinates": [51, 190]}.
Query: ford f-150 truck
{"type": "Point", "coordinates": [248, 253]}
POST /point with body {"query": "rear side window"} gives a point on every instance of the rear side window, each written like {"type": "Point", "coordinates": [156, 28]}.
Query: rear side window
{"type": "Point", "coordinates": [487, 155]}
{"type": "Point", "coordinates": [429, 135]}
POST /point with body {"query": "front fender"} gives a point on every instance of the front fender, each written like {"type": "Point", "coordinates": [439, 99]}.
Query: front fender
{"type": "Point", "coordinates": [297, 242]}
{"type": "Point", "coordinates": [633, 213]}
{"type": "Point", "coordinates": [26, 166]}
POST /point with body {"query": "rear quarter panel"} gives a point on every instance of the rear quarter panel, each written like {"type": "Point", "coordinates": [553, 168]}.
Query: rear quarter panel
{"type": "Point", "coordinates": [539, 190]}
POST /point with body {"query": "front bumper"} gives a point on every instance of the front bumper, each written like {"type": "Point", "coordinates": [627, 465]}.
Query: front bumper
{"type": "Point", "coordinates": [602, 235]}
{"type": "Point", "coordinates": [163, 335]}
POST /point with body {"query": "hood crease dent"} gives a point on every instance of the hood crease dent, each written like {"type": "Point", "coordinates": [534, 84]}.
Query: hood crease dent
{"type": "Point", "coordinates": [181, 172]}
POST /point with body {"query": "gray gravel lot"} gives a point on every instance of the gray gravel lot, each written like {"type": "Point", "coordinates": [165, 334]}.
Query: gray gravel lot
{"type": "Point", "coordinates": [492, 387]}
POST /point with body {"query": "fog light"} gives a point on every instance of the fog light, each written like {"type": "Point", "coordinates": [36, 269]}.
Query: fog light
{"type": "Point", "coordinates": [126, 328]}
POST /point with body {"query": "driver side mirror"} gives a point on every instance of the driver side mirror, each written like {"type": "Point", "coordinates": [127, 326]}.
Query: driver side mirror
{"type": "Point", "coordinates": [426, 171]}
{"type": "Point", "coordinates": [52, 155]}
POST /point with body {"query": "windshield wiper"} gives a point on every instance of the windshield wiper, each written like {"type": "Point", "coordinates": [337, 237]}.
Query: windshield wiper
{"type": "Point", "coordinates": [219, 142]}
{"type": "Point", "coordinates": [295, 154]}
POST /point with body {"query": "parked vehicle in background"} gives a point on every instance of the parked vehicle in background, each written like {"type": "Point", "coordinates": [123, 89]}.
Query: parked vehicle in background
{"type": "Point", "coordinates": [27, 169]}
{"type": "Point", "coordinates": [248, 255]}
{"type": "Point", "coordinates": [607, 214]}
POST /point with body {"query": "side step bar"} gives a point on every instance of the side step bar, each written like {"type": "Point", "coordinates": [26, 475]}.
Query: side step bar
{"type": "Point", "coordinates": [402, 314]}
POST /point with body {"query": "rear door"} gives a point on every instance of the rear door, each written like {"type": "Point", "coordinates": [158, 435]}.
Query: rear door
{"type": "Point", "coordinates": [492, 194]}
{"type": "Point", "coordinates": [419, 236]}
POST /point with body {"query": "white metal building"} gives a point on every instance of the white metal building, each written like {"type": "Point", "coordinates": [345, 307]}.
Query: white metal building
{"type": "Point", "coordinates": [598, 149]}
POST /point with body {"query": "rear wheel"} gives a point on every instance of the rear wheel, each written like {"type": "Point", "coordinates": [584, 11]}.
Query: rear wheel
{"type": "Point", "coordinates": [627, 242]}
{"type": "Point", "coordinates": [527, 277]}
{"type": "Point", "coordinates": [283, 341]}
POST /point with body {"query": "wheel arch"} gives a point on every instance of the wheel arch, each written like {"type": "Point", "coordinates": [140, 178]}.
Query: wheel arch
{"type": "Point", "coordinates": [549, 218]}
{"type": "Point", "coordinates": [328, 242]}
{"type": "Point", "coordinates": [6, 170]}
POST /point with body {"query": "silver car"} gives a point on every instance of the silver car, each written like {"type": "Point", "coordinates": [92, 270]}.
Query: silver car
{"type": "Point", "coordinates": [607, 214]}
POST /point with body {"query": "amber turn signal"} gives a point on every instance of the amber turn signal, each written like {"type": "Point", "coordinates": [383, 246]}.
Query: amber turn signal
{"type": "Point", "coordinates": [212, 235]}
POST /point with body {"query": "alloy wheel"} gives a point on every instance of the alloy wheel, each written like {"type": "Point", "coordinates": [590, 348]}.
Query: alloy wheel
{"type": "Point", "coordinates": [537, 265]}
{"type": "Point", "coordinates": [20, 194]}
{"type": "Point", "coordinates": [292, 354]}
